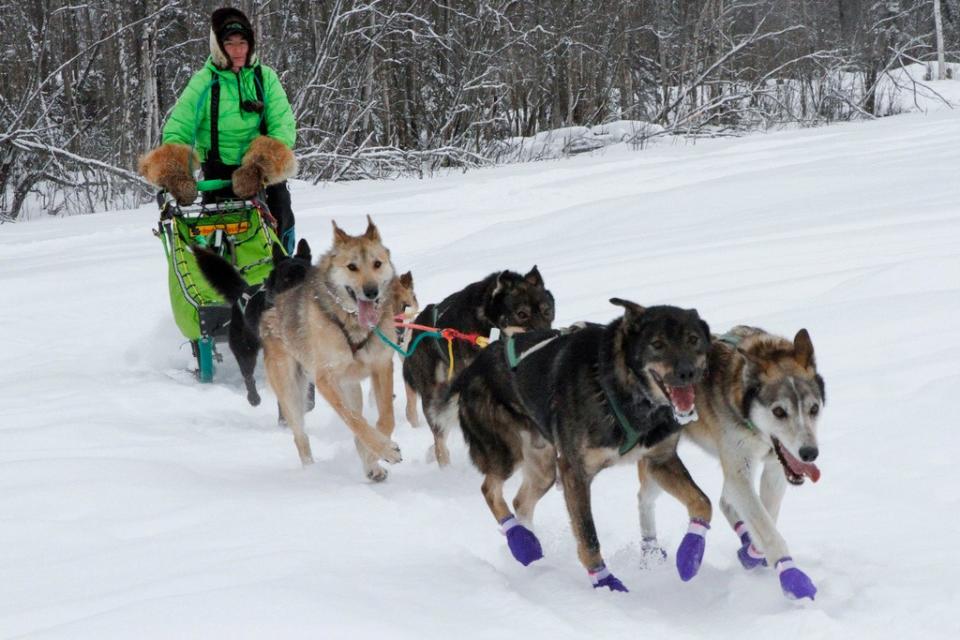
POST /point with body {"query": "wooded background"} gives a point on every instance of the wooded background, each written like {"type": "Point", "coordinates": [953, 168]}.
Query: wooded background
{"type": "Point", "coordinates": [382, 88]}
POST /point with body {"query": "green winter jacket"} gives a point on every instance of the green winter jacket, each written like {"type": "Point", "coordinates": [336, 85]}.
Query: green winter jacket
{"type": "Point", "coordinates": [189, 122]}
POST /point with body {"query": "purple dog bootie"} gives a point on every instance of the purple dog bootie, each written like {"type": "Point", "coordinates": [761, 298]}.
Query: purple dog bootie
{"type": "Point", "coordinates": [795, 583]}
{"type": "Point", "coordinates": [601, 577]}
{"type": "Point", "coordinates": [750, 557]}
{"type": "Point", "coordinates": [690, 552]}
{"type": "Point", "coordinates": [523, 544]}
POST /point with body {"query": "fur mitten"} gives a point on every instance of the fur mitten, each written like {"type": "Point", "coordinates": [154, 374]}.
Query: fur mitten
{"type": "Point", "coordinates": [267, 161]}
{"type": "Point", "coordinates": [168, 167]}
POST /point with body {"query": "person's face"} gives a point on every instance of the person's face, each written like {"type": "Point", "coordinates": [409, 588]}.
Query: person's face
{"type": "Point", "coordinates": [237, 48]}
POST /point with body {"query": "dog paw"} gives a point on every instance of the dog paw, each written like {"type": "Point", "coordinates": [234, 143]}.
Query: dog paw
{"type": "Point", "coordinates": [390, 453]}
{"type": "Point", "coordinates": [796, 584]}
{"type": "Point", "coordinates": [750, 557]}
{"type": "Point", "coordinates": [690, 552]}
{"type": "Point", "coordinates": [377, 474]}
{"type": "Point", "coordinates": [431, 456]}
{"type": "Point", "coordinates": [602, 578]}
{"type": "Point", "coordinates": [253, 398]}
{"type": "Point", "coordinates": [523, 543]}
{"type": "Point", "coordinates": [651, 553]}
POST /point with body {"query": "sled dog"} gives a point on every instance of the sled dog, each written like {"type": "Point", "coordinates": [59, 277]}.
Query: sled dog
{"type": "Point", "coordinates": [759, 403]}
{"type": "Point", "coordinates": [325, 328]}
{"type": "Point", "coordinates": [502, 299]}
{"type": "Point", "coordinates": [575, 402]}
{"type": "Point", "coordinates": [249, 302]}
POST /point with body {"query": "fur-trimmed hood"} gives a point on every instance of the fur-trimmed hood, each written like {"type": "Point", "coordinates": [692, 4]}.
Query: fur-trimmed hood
{"type": "Point", "coordinates": [224, 22]}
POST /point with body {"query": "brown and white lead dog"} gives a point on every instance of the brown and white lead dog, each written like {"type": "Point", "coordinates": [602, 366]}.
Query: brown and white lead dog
{"type": "Point", "coordinates": [759, 402]}
{"type": "Point", "coordinates": [324, 329]}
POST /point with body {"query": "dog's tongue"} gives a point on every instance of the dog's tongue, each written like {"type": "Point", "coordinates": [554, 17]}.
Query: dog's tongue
{"type": "Point", "coordinates": [367, 313]}
{"type": "Point", "coordinates": [800, 467]}
{"type": "Point", "coordinates": [682, 398]}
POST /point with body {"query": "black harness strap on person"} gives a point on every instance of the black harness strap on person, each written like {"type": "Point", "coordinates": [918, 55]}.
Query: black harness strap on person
{"type": "Point", "coordinates": [258, 81]}
{"type": "Point", "coordinates": [214, 153]}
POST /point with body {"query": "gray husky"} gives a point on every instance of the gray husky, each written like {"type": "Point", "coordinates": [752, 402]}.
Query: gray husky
{"type": "Point", "coordinates": [759, 403]}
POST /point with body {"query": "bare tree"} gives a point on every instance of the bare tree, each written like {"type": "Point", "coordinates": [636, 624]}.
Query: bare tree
{"type": "Point", "coordinates": [382, 88]}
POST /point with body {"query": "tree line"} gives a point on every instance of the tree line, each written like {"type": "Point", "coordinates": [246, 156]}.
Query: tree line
{"type": "Point", "coordinates": [388, 87]}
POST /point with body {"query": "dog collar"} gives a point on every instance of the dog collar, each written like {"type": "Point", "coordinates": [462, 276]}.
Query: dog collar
{"type": "Point", "coordinates": [731, 339]}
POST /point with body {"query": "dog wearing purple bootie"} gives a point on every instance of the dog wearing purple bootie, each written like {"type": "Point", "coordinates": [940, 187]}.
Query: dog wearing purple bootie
{"type": "Point", "coordinates": [758, 408]}
{"type": "Point", "coordinates": [562, 405]}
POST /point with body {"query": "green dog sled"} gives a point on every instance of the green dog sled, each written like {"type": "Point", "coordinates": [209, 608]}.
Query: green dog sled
{"type": "Point", "coordinates": [242, 231]}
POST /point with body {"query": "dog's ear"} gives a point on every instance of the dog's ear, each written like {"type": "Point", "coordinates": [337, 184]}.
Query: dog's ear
{"type": "Point", "coordinates": [371, 233]}
{"type": "Point", "coordinates": [803, 348]}
{"type": "Point", "coordinates": [632, 311]}
{"type": "Point", "coordinates": [534, 277]}
{"type": "Point", "coordinates": [303, 250]}
{"type": "Point", "coordinates": [406, 280]}
{"type": "Point", "coordinates": [505, 280]}
{"type": "Point", "coordinates": [339, 235]}
{"type": "Point", "coordinates": [706, 331]}
{"type": "Point", "coordinates": [278, 254]}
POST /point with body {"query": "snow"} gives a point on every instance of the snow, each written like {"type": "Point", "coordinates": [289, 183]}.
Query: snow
{"type": "Point", "coordinates": [137, 502]}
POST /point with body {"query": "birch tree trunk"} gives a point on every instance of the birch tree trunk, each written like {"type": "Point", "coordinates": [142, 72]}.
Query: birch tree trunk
{"type": "Point", "coordinates": [938, 23]}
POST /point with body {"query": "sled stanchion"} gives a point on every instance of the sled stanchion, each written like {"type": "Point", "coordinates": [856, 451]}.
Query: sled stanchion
{"type": "Point", "coordinates": [205, 358]}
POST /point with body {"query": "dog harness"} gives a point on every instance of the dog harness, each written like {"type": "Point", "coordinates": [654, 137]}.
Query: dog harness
{"type": "Point", "coordinates": [515, 355]}
{"type": "Point", "coordinates": [249, 295]}
{"type": "Point", "coordinates": [510, 349]}
{"type": "Point", "coordinates": [734, 341]}
{"type": "Point", "coordinates": [631, 437]}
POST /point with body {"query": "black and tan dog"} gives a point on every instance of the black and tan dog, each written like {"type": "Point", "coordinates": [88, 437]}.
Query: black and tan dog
{"type": "Point", "coordinates": [249, 302]}
{"type": "Point", "coordinates": [577, 401]}
{"type": "Point", "coordinates": [503, 299]}
{"type": "Point", "coordinates": [758, 407]}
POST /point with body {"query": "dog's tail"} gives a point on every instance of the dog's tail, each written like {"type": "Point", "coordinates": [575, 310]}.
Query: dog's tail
{"type": "Point", "coordinates": [446, 412]}
{"type": "Point", "coordinates": [220, 274]}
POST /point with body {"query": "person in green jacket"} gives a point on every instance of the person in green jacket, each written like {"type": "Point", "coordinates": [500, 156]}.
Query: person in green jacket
{"type": "Point", "coordinates": [233, 120]}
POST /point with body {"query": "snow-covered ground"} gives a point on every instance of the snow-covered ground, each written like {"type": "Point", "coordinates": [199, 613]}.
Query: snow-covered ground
{"type": "Point", "coordinates": [136, 502]}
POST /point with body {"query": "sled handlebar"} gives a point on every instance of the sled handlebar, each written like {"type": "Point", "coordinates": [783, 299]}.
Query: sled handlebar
{"type": "Point", "coordinates": [213, 185]}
